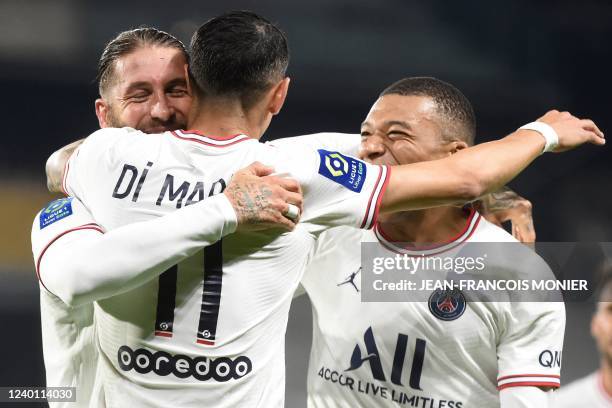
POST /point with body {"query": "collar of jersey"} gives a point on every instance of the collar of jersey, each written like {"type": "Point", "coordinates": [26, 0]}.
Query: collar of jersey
{"type": "Point", "coordinates": [464, 235]}
{"type": "Point", "coordinates": [216, 141]}
{"type": "Point", "coordinates": [198, 133]}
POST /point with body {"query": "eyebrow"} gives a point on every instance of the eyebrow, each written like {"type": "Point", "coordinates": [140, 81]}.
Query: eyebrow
{"type": "Point", "coordinates": [177, 81]}
{"type": "Point", "coordinates": [136, 85]}
{"type": "Point", "coordinates": [390, 123]}
{"type": "Point", "coordinates": [401, 123]}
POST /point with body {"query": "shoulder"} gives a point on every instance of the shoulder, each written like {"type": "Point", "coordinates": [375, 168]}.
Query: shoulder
{"type": "Point", "coordinates": [60, 217]}
{"type": "Point", "coordinates": [328, 140]}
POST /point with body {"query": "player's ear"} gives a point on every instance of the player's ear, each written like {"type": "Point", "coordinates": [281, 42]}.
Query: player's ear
{"type": "Point", "coordinates": [101, 112]}
{"type": "Point", "coordinates": [278, 96]}
{"type": "Point", "coordinates": [457, 145]}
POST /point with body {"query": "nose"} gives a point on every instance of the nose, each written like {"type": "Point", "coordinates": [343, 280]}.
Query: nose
{"type": "Point", "coordinates": [161, 109]}
{"type": "Point", "coordinates": [371, 147]}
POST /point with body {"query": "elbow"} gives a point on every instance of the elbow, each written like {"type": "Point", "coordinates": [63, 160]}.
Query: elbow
{"type": "Point", "coordinates": [471, 187]}
{"type": "Point", "coordinates": [54, 172]}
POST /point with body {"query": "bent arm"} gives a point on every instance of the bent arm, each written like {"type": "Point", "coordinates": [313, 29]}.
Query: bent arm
{"type": "Point", "coordinates": [476, 171]}
{"type": "Point", "coordinates": [56, 164]}
{"type": "Point", "coordinates": [85, 266]}
{"type": "Point", "coordinates": [462, 177]}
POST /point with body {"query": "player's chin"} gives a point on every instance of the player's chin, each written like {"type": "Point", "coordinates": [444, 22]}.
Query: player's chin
{"type": "Point", "coordinates": [161, 129]}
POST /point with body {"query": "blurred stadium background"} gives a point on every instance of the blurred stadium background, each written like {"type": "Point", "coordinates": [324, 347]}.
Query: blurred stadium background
{"type": "Point", "coordinates": [513, 59]}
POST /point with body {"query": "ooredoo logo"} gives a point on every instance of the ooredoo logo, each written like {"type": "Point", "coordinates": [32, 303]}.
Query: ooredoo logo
{"type": "Point", "coordinates": [201, 368]}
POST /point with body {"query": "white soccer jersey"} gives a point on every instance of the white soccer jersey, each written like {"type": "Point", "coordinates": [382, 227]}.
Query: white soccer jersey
{"type": "Point", "coordinates": [585, 392]}
{"type": "Point", "coordinates": [209, 331]}
{"type": "Point", "coordinates": [67, 332]}
{"type": "Point", "coordinates": [385, 354]}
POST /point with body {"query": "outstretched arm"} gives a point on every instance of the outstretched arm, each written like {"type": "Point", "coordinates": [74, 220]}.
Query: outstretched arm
{"type": "Point", "coordinates": [79, 264]}
{"type": "Point", "coordinates": [476, 171]}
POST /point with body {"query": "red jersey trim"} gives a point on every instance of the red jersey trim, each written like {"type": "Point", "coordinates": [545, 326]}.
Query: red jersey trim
{"type": "Point", "coordinates": [371, 212]}
{"type": "Point", "coordinates": [198, 133]}
{"type": "Point", "coordinates": [529, 384]}
{"type": "Point", "coordinates": [206, 342]}
{"type": "Point", "coordinates": [209, 141]}
{"type": "Point", "coordinates": [163, 333]}
{"type": "Point", "coordinates": [91, 226]}
{"type": "Point", "coordinates": [467, 232]}
{"type": "Point", "coordinates": [528, 375]}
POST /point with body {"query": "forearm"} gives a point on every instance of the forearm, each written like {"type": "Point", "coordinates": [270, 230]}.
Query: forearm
{"type": "Point", "coordinates": [56, 164]}
{"type": "Point", "coordinates": [524, 397]}
{"type": "Point", "coordinates": [462, 177]}
{"type": "Point", "coordinates": [132, 255]}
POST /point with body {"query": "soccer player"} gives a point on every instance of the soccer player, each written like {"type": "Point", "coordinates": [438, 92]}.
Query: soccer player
{"type": "Point", "coordinates": [148, 97]}
{"type": "Point", "coordinates": [218, 336]}
{"type": "Point", "coordinates": [595, 390]}
{"type": "Point", "coordinates": [424, 354]}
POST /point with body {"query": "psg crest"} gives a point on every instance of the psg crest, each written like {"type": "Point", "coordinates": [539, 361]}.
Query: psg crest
{"type": "Point", "coordinates": [447, 304]}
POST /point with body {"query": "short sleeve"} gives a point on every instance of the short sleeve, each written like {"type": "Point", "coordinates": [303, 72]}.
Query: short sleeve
{"type": "Point", "coordinates": [57, 219]}
{"type": "Point", "coordinates": [338, 189]}
{"type": "Point", "coordinates": [529, 352]}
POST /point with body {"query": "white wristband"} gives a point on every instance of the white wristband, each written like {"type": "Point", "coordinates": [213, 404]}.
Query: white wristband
{"type": "Point", "coordinates": [549, 134]}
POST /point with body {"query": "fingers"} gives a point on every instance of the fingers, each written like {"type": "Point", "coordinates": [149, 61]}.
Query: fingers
{"type": "Point", "coordinates": [286, 183]}
{"type": "Point", "coordinates": [292, 193]}
{"type": "Point", "coordinates": [589, 125]}
{"type": "Point", "coordinates": [258, 169]}
{"type": "Point", "coordinates": [523, 230]}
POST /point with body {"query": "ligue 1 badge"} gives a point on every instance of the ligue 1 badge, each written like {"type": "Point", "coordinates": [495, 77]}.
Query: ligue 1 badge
{"type": "Point", "coordinates": [447, 304]}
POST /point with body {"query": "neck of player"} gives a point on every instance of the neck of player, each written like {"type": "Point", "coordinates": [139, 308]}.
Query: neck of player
{"type": "Point", "coordinates": [225, 117]}
{"type": "Point", "coordinates": [431, 226]}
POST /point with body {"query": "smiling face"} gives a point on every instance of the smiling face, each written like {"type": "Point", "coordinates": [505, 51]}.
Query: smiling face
{"type": "Point", "coordinates": [148, 91]}
{"type": "Point", "coordinates": [405, 129]}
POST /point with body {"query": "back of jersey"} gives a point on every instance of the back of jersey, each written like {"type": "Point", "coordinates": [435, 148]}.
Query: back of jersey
{"type": "Point", "coordinates": [212, 326]}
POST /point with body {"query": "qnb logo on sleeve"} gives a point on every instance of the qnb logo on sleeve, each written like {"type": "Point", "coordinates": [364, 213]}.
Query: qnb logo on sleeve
{"type": "Point", "coordinates": [550, 359]}
{"type": "Point", "coordinates": [201, 368]}
{"type": "Point", "coordinates": [55, 211]}
{"type": "Point", "coordinates": [341, 169]}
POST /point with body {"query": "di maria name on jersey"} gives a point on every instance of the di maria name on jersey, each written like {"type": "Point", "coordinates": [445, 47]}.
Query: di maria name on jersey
{"type": "Point", "coordinates": [212, 326]}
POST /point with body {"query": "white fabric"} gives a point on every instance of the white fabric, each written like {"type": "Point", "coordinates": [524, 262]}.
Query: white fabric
{"type": "Point", "coordinates": [260, 271]}
{"type": "Point", "coordinates": [77, 264]}
{"type": "Point", "coordinates": [549, 134]}
{"type": "Point", "coordinates": [103, 266]}
{"type": "Point", "coordinates": [585, 392]}
{"type": "Point", "coordinates": [465, 360]}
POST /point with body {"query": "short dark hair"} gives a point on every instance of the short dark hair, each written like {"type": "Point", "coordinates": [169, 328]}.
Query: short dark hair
{"type": "Point", "coordinates": [239, 55]}
{"type": "Point", "coordinates": [127, 42]}
{"type": "Point", "coordinates": [450, 102]}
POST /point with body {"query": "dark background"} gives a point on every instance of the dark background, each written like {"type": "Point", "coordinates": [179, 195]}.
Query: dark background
{"type": "Point", "coordinates": [513, 60]}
